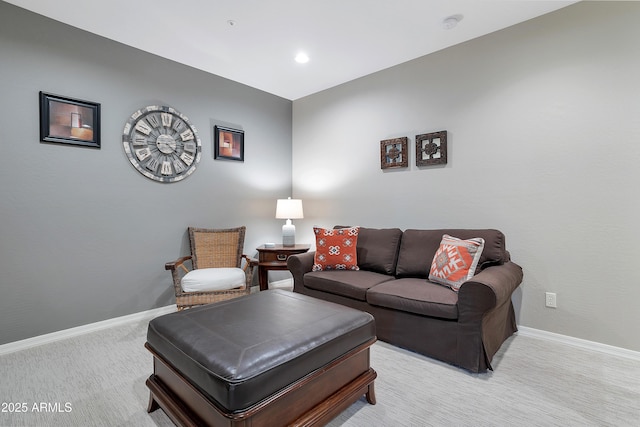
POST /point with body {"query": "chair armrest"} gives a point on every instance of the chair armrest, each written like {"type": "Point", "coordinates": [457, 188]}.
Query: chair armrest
{"type": "Point", "coordinates": [177, 263]}
{"type": "Point", "coordinates": [299, 265]}
{"type": "Point", "coordinates": [176, 276]}
{"type": "Point", "coordinates": [251, 262]}
{"type": "Point", "coordinates": [249, 265]}
{"type": "Point", "coordinates": [490, 288]}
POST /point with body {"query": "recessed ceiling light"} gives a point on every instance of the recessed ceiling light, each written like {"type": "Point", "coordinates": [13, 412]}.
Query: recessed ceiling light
{"type": "Point", "coordinates": [451, 21]}
{"type": "Point", "coordinates": [302, 58]}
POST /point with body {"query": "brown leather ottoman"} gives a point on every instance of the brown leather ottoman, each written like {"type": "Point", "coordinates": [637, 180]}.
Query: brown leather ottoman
{"type": "Point", "coordinates": [267, 359]}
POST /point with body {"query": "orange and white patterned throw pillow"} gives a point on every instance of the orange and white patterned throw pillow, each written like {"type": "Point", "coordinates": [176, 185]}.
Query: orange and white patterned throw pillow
{"type": "Point", "coordinates": [455, 261]}
{"type": "Point", "coordinates": [336, 249]}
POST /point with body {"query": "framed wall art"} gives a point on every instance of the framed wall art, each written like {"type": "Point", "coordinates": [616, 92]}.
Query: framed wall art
{"type": "Point", "coordinates": [228, 143]}
{"type": "Point", "coordinates": [393, 153]}
{"type": "Point", "coordinates": [431, 149]}
{"type": "Point", "coordinates": [69, 121]}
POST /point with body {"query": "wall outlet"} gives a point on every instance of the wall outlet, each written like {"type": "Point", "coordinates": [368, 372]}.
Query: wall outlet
{"type": "Point", "coordinates": [550, 299]}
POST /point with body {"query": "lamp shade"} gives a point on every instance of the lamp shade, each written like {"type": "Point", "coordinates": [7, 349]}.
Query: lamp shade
{"type": "Point", "coordinates": [289, 209]}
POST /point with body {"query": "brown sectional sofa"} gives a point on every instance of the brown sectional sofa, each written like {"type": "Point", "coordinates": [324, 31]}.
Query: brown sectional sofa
{"type": "Point", "coordinates": [464, 329]}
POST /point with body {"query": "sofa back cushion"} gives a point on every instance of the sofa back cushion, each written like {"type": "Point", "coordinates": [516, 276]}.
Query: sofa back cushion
{"type": "Point", "coordinates": [418, 248]}
{"type": "Point", "coordinates": [377, 249]}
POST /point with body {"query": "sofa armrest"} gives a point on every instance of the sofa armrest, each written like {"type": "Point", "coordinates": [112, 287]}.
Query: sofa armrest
{"type": "Point", "coordinates": [299, 265]}
{"type": "Point", "coordinates": [490, 288]}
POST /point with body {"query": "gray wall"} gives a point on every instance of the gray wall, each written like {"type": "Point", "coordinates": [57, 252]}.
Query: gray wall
{"type": "Point", "coordinates": [543, 121]}
{"type": "Point", "coordinates": [84, 236]}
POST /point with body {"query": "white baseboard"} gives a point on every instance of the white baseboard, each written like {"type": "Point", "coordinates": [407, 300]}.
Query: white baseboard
{"type": "Point", "coordinates": [281, 284]}
{"type": "Point", "coordinates": [84, 329]}
{"type": "Point", "coordinates": [578, 342]}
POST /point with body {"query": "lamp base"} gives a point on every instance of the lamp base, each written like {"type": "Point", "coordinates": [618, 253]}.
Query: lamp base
{"type": "Point", "coordinates": [288, 234]}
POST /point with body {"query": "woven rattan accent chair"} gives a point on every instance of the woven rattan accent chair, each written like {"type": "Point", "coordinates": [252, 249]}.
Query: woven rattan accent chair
{"type": "Point", "coordinates": [219, 249]}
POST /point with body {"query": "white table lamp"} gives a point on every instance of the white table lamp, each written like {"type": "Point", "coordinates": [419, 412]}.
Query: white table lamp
{"type": "Point", "coordinates": [289, 209]}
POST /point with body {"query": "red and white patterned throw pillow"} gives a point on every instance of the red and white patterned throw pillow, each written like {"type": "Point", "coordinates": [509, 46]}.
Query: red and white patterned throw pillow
{"type": "Point", "coordinates": [455, 261]}
{"type": "Point", "coordinates": [336, 249]}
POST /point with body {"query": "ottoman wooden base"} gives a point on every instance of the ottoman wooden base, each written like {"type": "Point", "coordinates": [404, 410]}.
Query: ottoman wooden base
{"type": "Point", "coordinates": [314, 399]}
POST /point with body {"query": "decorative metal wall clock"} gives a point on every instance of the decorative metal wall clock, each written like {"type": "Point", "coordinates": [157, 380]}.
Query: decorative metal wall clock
{"type": "Point", "coordinates": [431, 149]}
{"type": "Point", "coordinates": [162, 144]}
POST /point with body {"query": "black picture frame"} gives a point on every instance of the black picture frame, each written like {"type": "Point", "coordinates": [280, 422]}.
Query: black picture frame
{"type": "Point", "coordinates": [228, 143]}
{"type": "Point", "coordinates": [66, 120]}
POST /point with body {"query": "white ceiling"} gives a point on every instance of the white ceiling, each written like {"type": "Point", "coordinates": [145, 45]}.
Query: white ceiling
{"type": "Point", "coordinates": [345, 39]}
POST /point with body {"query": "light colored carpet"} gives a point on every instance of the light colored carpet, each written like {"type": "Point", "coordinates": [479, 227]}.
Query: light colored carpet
{"type": "Point", "coordinates": [98, 379]}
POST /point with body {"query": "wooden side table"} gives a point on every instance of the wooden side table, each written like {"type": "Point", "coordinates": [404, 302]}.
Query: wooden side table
{"type": "Point", "coordinates": [275, 259]}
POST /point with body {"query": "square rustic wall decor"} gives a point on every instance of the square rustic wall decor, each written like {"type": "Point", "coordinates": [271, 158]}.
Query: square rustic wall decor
{"type": "Point", "coordinates": [431, 149]}
{"type": "Point", "coordinates": [393, 153]}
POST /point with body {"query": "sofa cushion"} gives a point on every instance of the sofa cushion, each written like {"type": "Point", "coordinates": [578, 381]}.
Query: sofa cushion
{"type": "Point", "coordinates": [455, 261]}
{"type": "Point", "coordinates": [351, 284]}
{"type": "Point", "coordinates": [378, 249]}
{"type": "Point", "coordinates": [417, 296]}
{"type": "Point", "coordinates": [418, 247]}
{"type": "Point", "coordinates": [335, 249]}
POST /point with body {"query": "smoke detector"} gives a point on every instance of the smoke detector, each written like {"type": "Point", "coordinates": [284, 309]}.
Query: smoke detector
{"type": "Point", "coordinates": [451, 21]}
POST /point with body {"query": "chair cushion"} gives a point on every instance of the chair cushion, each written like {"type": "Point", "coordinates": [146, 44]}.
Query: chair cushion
{"type": "Point", "coordinates": [213, 279]}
